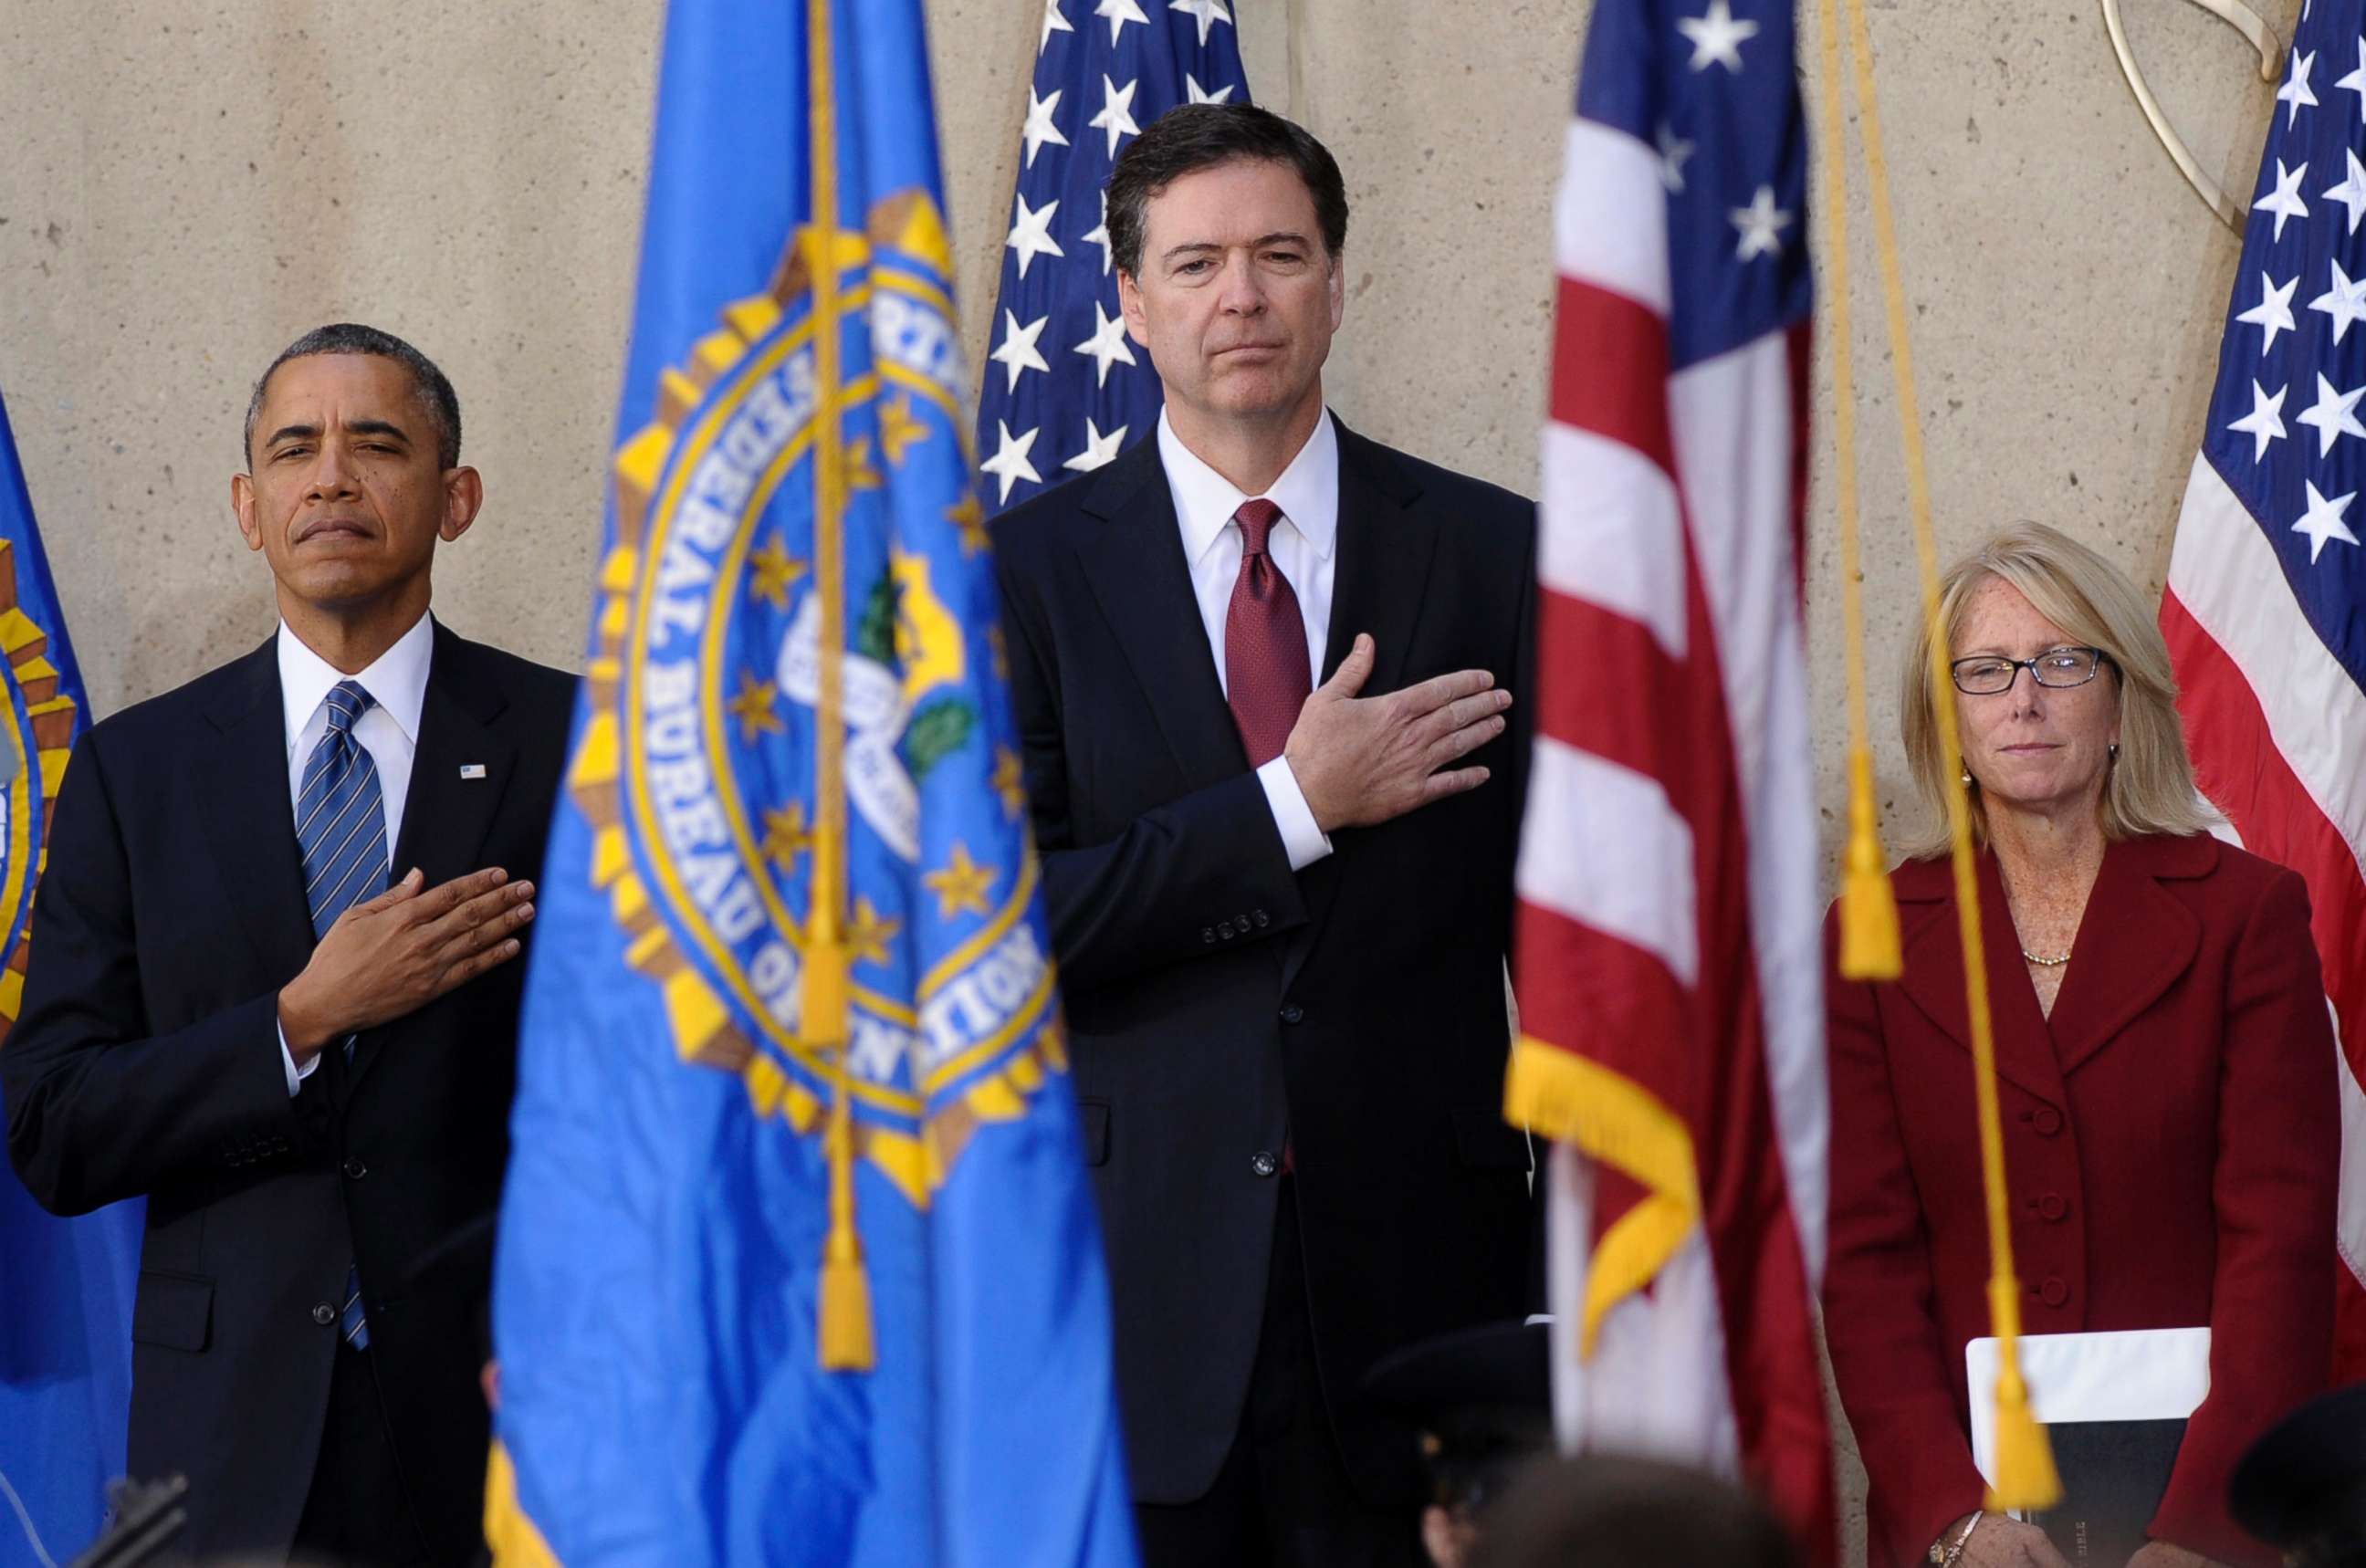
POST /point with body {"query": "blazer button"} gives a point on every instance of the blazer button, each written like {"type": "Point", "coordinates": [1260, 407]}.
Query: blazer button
{"type": "Point", "coordinates": [1224, 930]}
{"type": "Point", "coordinates": [2047, 1121]}
{"type": "Point", "coordinates": [1207, 933]}
{"type": "Point", "coordinates": [1292, 1012]}
{"type": "Point", "coordinates": [324, 1315]}
{"type": "Point", "coordinates": [1260, 919]}
{"type": "Point", "coordinates": [356, 1169]}
{"type": "Point", "coordinates": [1264, 1162]}
{"type": "Point", "coordinates": [2051, 1206]}
{"type": "Point", "coordinates": [2053, 1293]}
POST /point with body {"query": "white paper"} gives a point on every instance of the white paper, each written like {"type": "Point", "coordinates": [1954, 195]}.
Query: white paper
{"type": "Point", "coordinates": [2138, 1374]}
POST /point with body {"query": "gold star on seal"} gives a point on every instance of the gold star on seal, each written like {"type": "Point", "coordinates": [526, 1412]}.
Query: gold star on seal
{"type": "Point", "coordinates": [1000, 649]}
{"type": "Point", "coordinates": [899, 428]}
{"type": "Point", "coordinates": [754, 708]}
{"type": "Point", "coordinates": [776, 572]}
{"type": "Point", "coordinates": [860, 474]}
{"type": "Point", "coordinates": [1010, 781]}
{"type": "Point", "coordinates": [869, 935]}
{"type": "Point", "coordinates": [786, 836]}
{"type": "Point", "coordinates": [970, 518]}
{"type": "Point", "coordinates": [962, 884]}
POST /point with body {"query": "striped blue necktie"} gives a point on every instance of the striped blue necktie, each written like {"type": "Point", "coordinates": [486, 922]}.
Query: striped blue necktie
{"type": "Point", "coordinates": [341, 828]}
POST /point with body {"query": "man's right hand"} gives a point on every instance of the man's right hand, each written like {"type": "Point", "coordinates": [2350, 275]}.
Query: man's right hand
{"type": "Point", "coordinates": [1365, 760]}
{"type": "Point", "coordinates": [394, 953]}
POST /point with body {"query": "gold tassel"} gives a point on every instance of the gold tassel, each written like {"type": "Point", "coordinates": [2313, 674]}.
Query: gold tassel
{"type": "Point", "coordinates": [1869, 943]}
{"type": "Point", "coordinates": [847, 1341]}
{"type": "Point", "coordinates": [2025, 1476]}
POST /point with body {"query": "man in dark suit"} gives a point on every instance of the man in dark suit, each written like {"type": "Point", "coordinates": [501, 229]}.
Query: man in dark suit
{"type": "Point", "coordinates": [306, 1071]}
{"type": "Point", "coordinates": [1280, 906]}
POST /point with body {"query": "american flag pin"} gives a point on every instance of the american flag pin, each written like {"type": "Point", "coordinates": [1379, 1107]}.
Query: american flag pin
{"type": "Point", "coordinates": [472, 770]}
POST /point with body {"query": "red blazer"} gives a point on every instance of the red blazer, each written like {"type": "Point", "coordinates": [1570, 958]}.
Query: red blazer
{"type": "Point", "coordinates": [2172, 1144]}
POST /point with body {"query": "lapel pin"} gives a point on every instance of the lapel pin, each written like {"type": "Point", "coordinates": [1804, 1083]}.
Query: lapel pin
{"type": "Point", "coordinates": [472, 770]}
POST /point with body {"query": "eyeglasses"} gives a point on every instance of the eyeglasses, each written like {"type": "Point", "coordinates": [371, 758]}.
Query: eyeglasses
{"type": "Point", "coordinates": [1987, 674]}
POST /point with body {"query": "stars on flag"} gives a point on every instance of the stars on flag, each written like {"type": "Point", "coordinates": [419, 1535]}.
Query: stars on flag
{"type": "Point", "coordinates": [2345, 300]}
{"type": "Point", "coordinates": [1116, 118]}
{"type": "Point", "coordinates": [2265, 423]}
{"type": "Point", "coordinates": [1100, 450]}
{"type": "Point", "coordinates": [2273, 312]}
{"type": "Point", "coordinates": [1762, 224]}
{"type": "Point", "coordinates": [1107, 345]}
{"type": "Point", "coordinates": [1119, 13]}
{"type": "Point", "coordinates": [1030, 233]}
{"type": "Point", "coordinates": [1039, 129]}
{"type": "Point", "coordinates": [1018, 352]}
{"type": "Point", "coordinates": [2332, 415]}
{"type": "Point", "coordinates": [961, 884]}
{"type": "Point", "coordinates": [1207, 13]}
{"type": "Point", "coordinates": [1073, 389]}
{"type": "Point", "coordinates": [2285, 201]}
{"type": "Point", "coordinates": [1009, 462]}
{"type": "Point", "coordinates": [2322, 522]}
{"type": "Point", "coordinates": [1717, 37]}
{"type": "Point", "coordinates": [2295, 94]}
{"type": "Point", "coordinates": [1674, 150]}
{"type": "Point", "coordinates": [2356, 81]}
{"type": "Point", "coordinates": [2351, 191]}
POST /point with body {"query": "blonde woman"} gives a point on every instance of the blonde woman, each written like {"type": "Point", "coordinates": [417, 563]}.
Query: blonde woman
{"type": "Point", "coordinates": [2164, 1057]}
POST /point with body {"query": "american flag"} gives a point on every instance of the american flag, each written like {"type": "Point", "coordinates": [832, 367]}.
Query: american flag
{"type": "Point", "coordinates": [1669, 925]}
{"type": "Point", "coordinates": [1065, 391]}
{"type": "Point", "coordinates": [2266, 608]}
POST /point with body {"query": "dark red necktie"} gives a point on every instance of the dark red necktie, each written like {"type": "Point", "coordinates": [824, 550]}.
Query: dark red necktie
{"type": "Point", "coordinates": [1266, 679]}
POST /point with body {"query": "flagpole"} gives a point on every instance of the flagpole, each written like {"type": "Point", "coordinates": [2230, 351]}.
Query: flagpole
{"type": "Point", "coordinates": [844, 1326]}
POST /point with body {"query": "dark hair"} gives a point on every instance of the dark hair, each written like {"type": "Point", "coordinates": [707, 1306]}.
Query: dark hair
{"type": "Point", "coordinates": [1609, 1511]}
{"type": "Point", "coordinates": [428, 384]}
{"type": "Point", "coordinates": [1192, 137]}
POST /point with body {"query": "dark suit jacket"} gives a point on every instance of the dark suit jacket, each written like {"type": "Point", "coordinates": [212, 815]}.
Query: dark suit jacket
{"type": "Point", "coordinates": [1219, 1005]}
{"type": "Point", "coordinates": [147, 1061]}
{"type": "Point", "coordinates": [2172, 1150]}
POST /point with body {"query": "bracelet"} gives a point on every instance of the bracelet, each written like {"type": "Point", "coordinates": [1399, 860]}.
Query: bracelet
{"type": "Point", "coordinates": [1946, 1559]}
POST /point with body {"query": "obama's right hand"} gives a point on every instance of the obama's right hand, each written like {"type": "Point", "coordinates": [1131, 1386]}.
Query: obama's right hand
{"type": "Point", "coordinates": [394, 953]}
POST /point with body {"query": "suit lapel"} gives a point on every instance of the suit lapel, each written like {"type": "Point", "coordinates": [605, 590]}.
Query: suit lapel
{"type": "Point", "coordinates": [446, 816]}
{"type": "Point", "coordinates": [1933, 981]}
{"type": "Point", "coordinates": [1135, 564]}
{"type": "Point", "coordinates": [1385, 543]}
{"type": "Point", "coordinates": [241, 780]}
{"type": "Point", "coordinates": [2133, 941]}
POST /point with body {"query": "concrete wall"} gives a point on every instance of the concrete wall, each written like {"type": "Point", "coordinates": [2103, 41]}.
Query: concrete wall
{"type": "Point", "coordinates": [191, 182]}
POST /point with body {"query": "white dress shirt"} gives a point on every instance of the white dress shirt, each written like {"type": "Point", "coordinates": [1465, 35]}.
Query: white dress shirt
{"type": "Point", "coordinates": [1304, 548]}
{"type": "Point", "coordinates": [387, 730]}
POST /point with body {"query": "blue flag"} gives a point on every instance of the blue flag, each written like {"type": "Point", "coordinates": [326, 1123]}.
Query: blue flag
{"type": "Point", "coordinates": [797, 1261]}
{"type": "Point", "coordinates": [65, 1308]}
{"type": "Point", "coordinates": [1064, 390]}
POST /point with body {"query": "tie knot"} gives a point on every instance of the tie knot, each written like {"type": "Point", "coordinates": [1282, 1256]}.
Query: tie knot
{"type": "Point", "coordinates": [347, 700]}
{"type": "Point", "coordinates": [1257, 519]}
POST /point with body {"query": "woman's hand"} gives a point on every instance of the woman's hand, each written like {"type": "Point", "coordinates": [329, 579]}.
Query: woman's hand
{"type": "Point", "coordinates": [2162, 1555]}
{"type": "Point", "coordinates": [2001, 1543]}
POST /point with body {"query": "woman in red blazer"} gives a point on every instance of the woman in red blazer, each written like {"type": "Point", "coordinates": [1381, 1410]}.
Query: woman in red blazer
{"type": "Point", "coordinates": [2165, 1063]}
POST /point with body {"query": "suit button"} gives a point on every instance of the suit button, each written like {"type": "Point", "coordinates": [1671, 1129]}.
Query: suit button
{"type": "Point", "coordinates": [1264, 1162]}
{"type": "Point", "coordinates": [356, 1169]}
{"type": "Point", "coordinates": [2053, 1293]}
{"type": "Point", "coordinates": [1207, 933]}
{"type": "Point", "coordinates": [1292, 1012]}
{"type": "Point", "coordinates": [1224, 930]}
{"type": "Point", "coordinates": [324, 1315]}
{"type": "Point", "coordinates": [1260, 919]}
{"type": "Point", "coordinates": [2047, 1121]}
{"type": "Point", "coordinates": [2051, 1206]}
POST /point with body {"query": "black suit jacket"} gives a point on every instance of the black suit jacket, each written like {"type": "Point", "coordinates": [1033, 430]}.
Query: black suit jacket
{"type": "Point", "coordinates": [147, 1061]}
{"type": "Point", "coordinates": [1220, 1005]}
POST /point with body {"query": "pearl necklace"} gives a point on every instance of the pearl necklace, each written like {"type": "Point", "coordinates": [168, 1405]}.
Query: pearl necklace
{"type": "Point", "coordinates": [2045, 963]}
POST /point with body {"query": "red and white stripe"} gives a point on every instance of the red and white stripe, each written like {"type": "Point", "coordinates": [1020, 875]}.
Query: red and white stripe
{"type": "Point", "coordinates": [2278, 731]}
{"type": "Point", "coordinates": [1670, 914]}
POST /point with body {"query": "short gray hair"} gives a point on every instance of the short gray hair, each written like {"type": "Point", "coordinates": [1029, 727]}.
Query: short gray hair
{"type": "Point", "coordinates": [432, 389]}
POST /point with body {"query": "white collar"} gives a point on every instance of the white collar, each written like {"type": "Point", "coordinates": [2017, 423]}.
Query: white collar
{"type": "Point", "coordinates": [1307, 492]}
{"type": "Point", "coordinates": [396, 680]}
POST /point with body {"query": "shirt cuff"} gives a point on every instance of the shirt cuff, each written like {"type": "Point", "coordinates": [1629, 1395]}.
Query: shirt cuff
{"type": "Point", "coordinates": [295, 1075]}
{"type": "Point", "coordinates": [1302, 841]}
